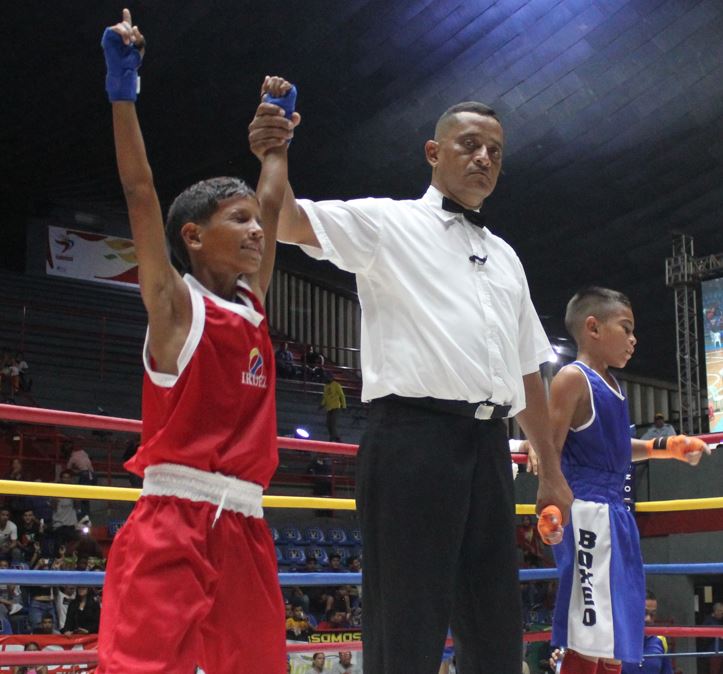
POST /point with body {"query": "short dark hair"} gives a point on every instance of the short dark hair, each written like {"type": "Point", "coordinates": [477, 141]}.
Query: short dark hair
{"type": "Point", "coordinates": [198, 203]}
{"type": "Point", "coordinates": [334, 555]}
{"type": "Point", "coordinates": [591, 301]}
{"type": "Point", "coordinates": [650, 595]}
{"type": "Point", "coordinates": [464, 106]}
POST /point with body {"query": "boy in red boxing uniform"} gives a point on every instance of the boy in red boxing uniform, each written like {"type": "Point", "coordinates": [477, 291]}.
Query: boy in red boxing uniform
{"type": "Point", "coordinates": [192, 577]}
{"type": "Point", "coordinates": [600, 608]}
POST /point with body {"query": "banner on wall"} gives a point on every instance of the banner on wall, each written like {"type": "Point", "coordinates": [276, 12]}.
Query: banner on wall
{"type": "Point", "coordinates": [336, 645]}
{"type": "Point", "coordinates": [91, 257]}
{"type": "Point", "coordinates": [51, 642]}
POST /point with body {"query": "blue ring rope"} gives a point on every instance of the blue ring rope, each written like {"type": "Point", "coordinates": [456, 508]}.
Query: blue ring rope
{"type": "Point", "coordinates": [96, 578]}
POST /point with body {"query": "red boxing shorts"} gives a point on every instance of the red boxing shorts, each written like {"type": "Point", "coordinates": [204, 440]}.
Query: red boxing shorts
{"type": "Point", "coordinates": [192, 580]}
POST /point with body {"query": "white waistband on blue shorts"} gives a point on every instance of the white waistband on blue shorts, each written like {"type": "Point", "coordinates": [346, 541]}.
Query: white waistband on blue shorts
{"type": "Point", "coordinates": [228, 493]}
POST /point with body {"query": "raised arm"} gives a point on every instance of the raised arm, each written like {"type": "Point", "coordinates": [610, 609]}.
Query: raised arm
{"type": "Point", "coordinates": [268, 130]}
{"type": "Point", "coordinates": [271, 189]}
{"type": "Point", "coordinates": [164, 293]}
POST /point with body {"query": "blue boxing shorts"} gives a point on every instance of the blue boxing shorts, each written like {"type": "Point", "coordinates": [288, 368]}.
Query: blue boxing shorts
{"type": "Point", "coordinates": [600, 607]}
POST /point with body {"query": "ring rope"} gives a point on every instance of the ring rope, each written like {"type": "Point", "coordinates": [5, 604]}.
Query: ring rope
{"type": "Point", "coordinates": [90, 657]}
{"type": "Point", "coordinates": [127, 494]}
{"type": "Point", "coordinates": [96, 578]}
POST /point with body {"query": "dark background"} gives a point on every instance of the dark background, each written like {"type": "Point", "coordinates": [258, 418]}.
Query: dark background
{"type": "Point", "coordinates": [612, 110]}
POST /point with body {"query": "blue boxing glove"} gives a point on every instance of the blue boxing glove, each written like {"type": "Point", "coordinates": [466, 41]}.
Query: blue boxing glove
{"type": "Point", "coordinates": [122, 62]}
{"type": "Point", "coordinates": [287, 101]}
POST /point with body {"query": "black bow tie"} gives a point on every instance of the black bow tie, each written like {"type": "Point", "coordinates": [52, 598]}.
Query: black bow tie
{"type": "Point", "coordinates": [475, 217]}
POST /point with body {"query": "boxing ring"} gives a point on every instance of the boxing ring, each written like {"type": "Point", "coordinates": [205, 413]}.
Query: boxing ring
{"type": "Point", "coordinates": [62, 659]}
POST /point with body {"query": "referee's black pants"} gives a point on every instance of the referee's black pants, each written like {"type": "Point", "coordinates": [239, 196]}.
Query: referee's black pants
{"type": "Point", "coordinates": [436, 507]}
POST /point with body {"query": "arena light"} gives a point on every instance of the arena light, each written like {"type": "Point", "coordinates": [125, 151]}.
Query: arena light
{"type": "Point", "coordinates": [301, 432]}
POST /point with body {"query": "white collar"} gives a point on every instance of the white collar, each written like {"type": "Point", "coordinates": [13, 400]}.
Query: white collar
{"type": "Point", "coordinates": [433, 198]}
{"type": "Point", "coordinates": [244, 307]}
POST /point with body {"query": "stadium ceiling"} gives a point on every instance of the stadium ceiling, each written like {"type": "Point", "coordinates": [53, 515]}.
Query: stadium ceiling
{"type": "Point", "coordinates": [612, 110]}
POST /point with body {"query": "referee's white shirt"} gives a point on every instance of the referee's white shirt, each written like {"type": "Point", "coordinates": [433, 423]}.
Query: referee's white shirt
{"type": "Point", "coordinates": [433, 322]}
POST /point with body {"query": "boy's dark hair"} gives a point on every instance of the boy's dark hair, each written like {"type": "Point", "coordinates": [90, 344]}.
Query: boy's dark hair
{"type": "Point", "coordinates": [592, 301]}
{"type": "Point", "coordinates": [198, 203]}
{"type": "Point", "coordinates": [465, 106]}
{"type": "Point", "coordinates": [649, 595]}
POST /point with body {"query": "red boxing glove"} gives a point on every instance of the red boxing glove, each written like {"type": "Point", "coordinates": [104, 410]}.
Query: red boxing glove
{"type": "Point", "coordinates": [675, 447]}
{"type": "Point", "coordinates": [549, 525]}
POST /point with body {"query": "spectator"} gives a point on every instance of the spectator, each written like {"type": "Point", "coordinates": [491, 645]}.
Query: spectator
{"type": "Point", "coordinates": [338, 598]}
{"type": "Point", "coordinates": [321, 469]}
{"type": "Point", "coordinates": [315, 595]}
{"type": "Point", "coordinates": [65, 516]}
{"type": "Point", "coordinates": [32, 669]}
{"type": "Point", "coordinates": [17, 503]}
{"type": "Point", "coordinates": [46, 625]}
{"type": "Point", "coordinates": [9, 538]}
{"type": "Point", "coordinates": [335, 620]}
{"type": "Point", "coordinates": [314, 361]}
{"type": "Point", "coordinates": [353, 565]}
{"type": "Point", "coordinates": [317, 663]}
{"type": "Point", "coordinates": [332, 400]}
{"type": "Point", "coordinates": [62, 597]}
{"type": "Point", "coordinates": [29, 537]}
{"type": "Point", "coordinates": [83, 613]}
{"type": "Point", "coordinates": [654, 646]}
{"type": "Point", "coordinates": [82, 467]}
{"type": "Point", "coordinates": [40, 601]}
{"type": "Point", "coordinates": [9, 377]}
{"type": "Point", "coordinates": [23, 368]}
{"type": "Point", "coordinates": [335, 563]}
{"type": "Point", "coordinates": [713, 665]}
{"type": "Point", "coordinates": [42, 506]}
{"type": "Point", "coordinates": [310, 565]}
{"type": "Point", "coordinates": [16, 470]}
{"type": "Point", "coordinates": [345, 666]}
{"type": "Point", "coordinates": [298, 598]}
{"type": "Point", "coordinates": [298, 627]}
{"type": "Point", "coordinates": [659, 429]}
{"type": "Point", "coordinates": [529, 541]}
{"type": "Point", "coordinates": [11, 598]}
{"type": "Point", "coordinates": [285, 362]}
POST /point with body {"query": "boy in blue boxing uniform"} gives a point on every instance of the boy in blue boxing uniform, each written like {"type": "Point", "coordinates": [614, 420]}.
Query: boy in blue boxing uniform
{"type": "Point", "coordinates": [600, 609]}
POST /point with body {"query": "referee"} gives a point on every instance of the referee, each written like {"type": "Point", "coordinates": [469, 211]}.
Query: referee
{"type": "Point", "coordinates": [451, 345]}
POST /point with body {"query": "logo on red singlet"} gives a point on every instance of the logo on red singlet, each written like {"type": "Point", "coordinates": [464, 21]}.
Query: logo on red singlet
{"type": "Point", "coordinates": [255, 376]}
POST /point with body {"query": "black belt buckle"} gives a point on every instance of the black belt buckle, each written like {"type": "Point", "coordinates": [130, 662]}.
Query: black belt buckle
{"type": "Point", "coordinates": [489, 410]}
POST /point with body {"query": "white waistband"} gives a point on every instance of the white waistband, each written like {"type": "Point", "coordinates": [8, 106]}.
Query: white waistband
{"type": "Point", "coordinates": [228, 493]}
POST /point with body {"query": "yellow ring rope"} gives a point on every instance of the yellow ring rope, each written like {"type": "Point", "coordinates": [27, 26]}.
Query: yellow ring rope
{"type": "Point", "coordinates": [126, 494]}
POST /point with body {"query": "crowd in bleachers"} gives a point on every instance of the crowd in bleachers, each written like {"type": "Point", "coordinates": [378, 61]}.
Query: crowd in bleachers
{"type": "Point", "coordinates": [315, 550]}
{"type": "Point", "coordinates": [42, 533]}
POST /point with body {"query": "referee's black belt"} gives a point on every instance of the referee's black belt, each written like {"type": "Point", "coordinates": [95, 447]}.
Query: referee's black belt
{"type": "Point", "coordinates": [484, 411]}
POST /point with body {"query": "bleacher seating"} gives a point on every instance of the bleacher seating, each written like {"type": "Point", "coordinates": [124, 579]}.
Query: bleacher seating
{"type": "Point", "coordinates": [307, 541]}
{"type": "Point", "coordinates": [291, 535]}
{"type": "Point", "coordinates": [338, 537]}
{"type": "Point", "coordinates": [314, 535]}
{"type": "Point", "coordinates": [319, 554]}
{"type": "Point", "coordinates": [293, 555]}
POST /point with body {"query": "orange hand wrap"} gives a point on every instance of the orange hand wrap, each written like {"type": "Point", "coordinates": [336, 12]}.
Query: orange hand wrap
{"type": "Point", "coordinates": [549, 525]}
{"type": "Point", "coordinates": [674, 447]}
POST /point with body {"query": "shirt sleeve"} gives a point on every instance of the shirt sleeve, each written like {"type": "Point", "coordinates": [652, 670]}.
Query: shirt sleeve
{"type": "Point", "coordinates": [534, 347]}
{"type": "Point", "coordinates": [348, 231]}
